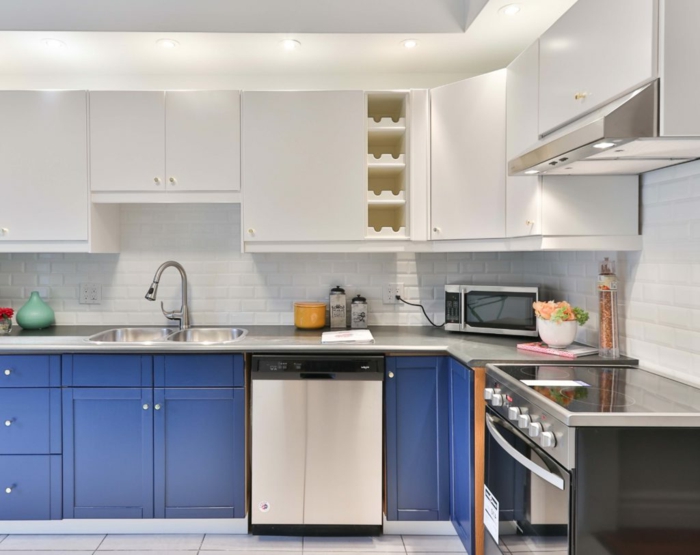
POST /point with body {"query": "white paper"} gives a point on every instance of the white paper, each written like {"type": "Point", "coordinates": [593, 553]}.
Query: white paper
{"type": "Point", "coordinates": [491, 513]}
{"type": "Point", "coordinates": [556, 383]}
{"type": "Point", "coordinates": [350, 336]}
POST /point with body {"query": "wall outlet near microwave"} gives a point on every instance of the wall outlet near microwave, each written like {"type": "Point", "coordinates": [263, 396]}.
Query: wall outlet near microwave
{"type": "Point", "coordinates": [390, 291]}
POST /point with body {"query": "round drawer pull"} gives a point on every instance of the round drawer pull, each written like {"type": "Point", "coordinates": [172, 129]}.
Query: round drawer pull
{"type": "Point", "coordinates": [172, 180]}
{"type": "Point", "coordinates": [4, 231]}
{"type": "Point", "coordinates": [145, 407]}
{"type": "Point", "coordinates": [391, 374]}
{"type": "Point", "coordinates": [529, 222]}
{"type": "Point", "coordinates": [157, 407]}
{"type": "Point", "coordinates": [8, 422]}
{"type": "Point", "coordinates": [580, 95]}
{"type": "Point", "coordinates": [8, 372]}
{"type": "Point", "coordinates": [156, 180]}
{"type": "Point", "coordinates": [8, 490]}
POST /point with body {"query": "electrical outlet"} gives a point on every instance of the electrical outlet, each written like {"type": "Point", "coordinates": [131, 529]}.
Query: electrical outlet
{"type": "Point", "coordinates": [90, 293]}
{"type": "Point", "coordinates": [390, 291]}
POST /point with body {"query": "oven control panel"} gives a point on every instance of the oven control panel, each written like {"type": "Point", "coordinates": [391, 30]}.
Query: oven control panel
{"type": "Point", "coordinates": [552, 435]}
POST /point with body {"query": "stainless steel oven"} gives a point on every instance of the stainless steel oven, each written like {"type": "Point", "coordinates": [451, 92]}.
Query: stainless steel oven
{"type": "Point", "coordinates": [528, 496]}
{"type": "Point", "coordinates": [497, 309]}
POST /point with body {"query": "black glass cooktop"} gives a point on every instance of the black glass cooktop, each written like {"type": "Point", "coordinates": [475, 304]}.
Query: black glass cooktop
{"type": "Point", "coordinates": [607, 389]}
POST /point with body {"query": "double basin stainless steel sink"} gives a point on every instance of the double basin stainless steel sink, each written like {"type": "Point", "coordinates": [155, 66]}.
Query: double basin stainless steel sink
{"type": "Point", "coordinates": [200, 336]}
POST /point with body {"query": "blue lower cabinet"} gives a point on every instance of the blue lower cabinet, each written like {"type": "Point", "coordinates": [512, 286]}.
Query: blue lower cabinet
{"type": "Point", "coordinates": [30, 421]}
{"type": "Point", "coordinates": [417, 437]}
{"type": "Point", "coordinates": [199, 453]}
{"type": "Point", "coordinates": [108, 453]}
{"type": "Point", "coordinates": [462, 452]}
{"type": "Point", "coordinates": [31, 487]}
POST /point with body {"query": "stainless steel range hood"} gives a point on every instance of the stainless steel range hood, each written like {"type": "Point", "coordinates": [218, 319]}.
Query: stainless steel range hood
{"type": "Point", "coordinates": [620, 139]}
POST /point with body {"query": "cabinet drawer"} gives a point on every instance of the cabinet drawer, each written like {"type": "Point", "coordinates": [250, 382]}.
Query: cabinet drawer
{"type": "Point", "coordinates": [107, 371]}
{"type": "Point", "coordinates": [30, 371]}
{"type": "Point", "coordinates": [199, 371]}
{"type": "Point", "coordinates": [34, 484]}
{"type": "Point", "coordinates": [30, 421]}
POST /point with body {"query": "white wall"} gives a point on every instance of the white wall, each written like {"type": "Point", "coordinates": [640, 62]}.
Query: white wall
{"type": "Point", "coordinates": [660, 295]}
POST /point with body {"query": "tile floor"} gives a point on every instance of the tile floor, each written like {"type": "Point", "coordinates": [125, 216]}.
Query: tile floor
{"type": "Point", "coordinates": [213, 544]}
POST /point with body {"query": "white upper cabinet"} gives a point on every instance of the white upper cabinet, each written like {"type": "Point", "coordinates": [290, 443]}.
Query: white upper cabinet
{"type": "Point", "coordinates": [304, 161]}
{"type": "Point", "coordinates": [522, 193]}
{"type": "Point", "coordinates": [127, 142]}
{"type": "Point", "coordinates": [468, 171]}
{"type": "Point", "coordinates": [183, 143]}
{"type": "Point", "coordinates": [202, 141]}
{"type": "Point", "coordinates": [597, 51]}
{"type": "Point", "coordinates": [43, 167]}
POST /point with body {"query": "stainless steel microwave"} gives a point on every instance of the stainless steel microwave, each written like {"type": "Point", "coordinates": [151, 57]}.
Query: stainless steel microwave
{"type": "Point", "coordinates": [491, 309]}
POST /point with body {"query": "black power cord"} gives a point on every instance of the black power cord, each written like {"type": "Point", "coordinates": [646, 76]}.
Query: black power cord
{"type": "Point", "coordinates": [398, 298]}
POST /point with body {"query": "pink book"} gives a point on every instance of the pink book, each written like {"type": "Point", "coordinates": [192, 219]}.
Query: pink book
{"type": "Point", "coordinates": [572, 351]}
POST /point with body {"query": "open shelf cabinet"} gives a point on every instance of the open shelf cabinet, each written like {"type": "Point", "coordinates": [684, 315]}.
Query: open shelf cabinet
{"type": "Point", "coordinates": [387, 170]}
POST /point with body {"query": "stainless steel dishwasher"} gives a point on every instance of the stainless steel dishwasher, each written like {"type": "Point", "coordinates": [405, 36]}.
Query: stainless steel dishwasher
{"type": "Point", "coordinates": [317, 445]}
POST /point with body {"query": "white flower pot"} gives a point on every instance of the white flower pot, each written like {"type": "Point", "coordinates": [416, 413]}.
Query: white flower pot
{"type": "Point", "coordinates": [557, 335]}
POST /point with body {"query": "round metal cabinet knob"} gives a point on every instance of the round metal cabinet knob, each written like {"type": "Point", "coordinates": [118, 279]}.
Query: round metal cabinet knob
{"type": "Point", "coordinates": [8, 490]}
{"type": "Point", "coordinates": [524, 421]}
{"type": "Point", "coordinates": [8, 372]}
{"type": "Point", "coordinates": [436, 229]}
{"type": "Point", "coordinates": [529, 222]}
{"type": "Point", "coordinates": [172, 180]}
{"type": "Point", "coordinates": [488, 393]}
{"type": "Point", "coordinates": [535, 429]}
{"type": "Point", "coordinates": [580, 95]}
{"type": "Point", "coordinates": [8, 422]}
{"type": "Point", "coordinates": [145, 407]}
{"type": "Point", "coordinates": [4, 231]}
{"type": "Point", "coordinates": [156, 180]}
{"type": "Point", "coordinates": [391, 374]}
{"type": "Point", "coordinates": [157, 407]}
{"type": "Point", "coordinates": [497, 400]}
{"type": "Point", "coordinates": [513, 413]}
{"type": "Point", "coordinates": [548, 440]}
{"type": "Point", "coordinates": [251, 231]}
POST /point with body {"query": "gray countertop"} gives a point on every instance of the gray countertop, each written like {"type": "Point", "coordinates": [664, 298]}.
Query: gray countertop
{"type": "Point", "coordinates": [471, 349]}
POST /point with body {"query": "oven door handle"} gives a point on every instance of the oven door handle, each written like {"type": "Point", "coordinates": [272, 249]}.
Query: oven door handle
{"type": "Point", "coordinates": [550, 477]}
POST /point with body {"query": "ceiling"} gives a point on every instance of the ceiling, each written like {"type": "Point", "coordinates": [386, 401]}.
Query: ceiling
{"type": "Point", "coordinates": [490, 42]}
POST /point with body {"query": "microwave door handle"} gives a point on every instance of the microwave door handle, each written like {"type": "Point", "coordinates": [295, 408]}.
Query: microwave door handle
{"type": "Point", "coordinates": [533, 467]}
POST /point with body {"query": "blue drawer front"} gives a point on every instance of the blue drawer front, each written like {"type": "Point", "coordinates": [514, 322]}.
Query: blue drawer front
{"type": "Point", "coordinates": [30, 421]}
{"type": "Point", "coordinates": [107, 370]}
{"type": "Point", "coordinates": [35, 487]}
{"type": "Point", "coordinates": [30, 371]}
{"type": "Point", "coordinates": [202, 429]}
{"type": "Point", "coordinates": [108, 454]}
{"type": "Point", "coordinates": [199, 371]}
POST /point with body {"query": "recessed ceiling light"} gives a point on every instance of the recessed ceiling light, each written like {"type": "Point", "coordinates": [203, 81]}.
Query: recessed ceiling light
{"type": "Point", "coordinates": [603, 145]}
{"type": "Point", "coordinates": [53, 44]}
{"type": "Point", "coordinates": [290, 44]}
{"type": "Point", "coordinates": [409, 43]}
{"type": "Point", "coordinates": [510, 9]}
{"type": "Point", "coordinates": [531, 172]}
{"type": "Point", "coordinates": [167, 43]}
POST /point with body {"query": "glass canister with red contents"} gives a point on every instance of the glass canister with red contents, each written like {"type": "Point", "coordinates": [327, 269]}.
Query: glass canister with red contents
{"type": "Point", "coordinates": [609, 341]}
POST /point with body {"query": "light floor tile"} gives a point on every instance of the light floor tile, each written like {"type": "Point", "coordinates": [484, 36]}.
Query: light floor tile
{"type": "Point", "coordinates": [2, 537]}
{"type": "Point", "coordinates": [527, 544]}
{"type": "Point", "coordinates": [238, 542]}
{"type": "Point", "coordinates": [241, 551]}
{"type": "Point", "coordinates": [44, 552]}
{"type": "Point", "coordinates": [143, 552]}
{"type": "Point", "coordinates": [150, 542]}
{"type": "Point", "coordinates": [377, 544]}
{"type": "Point", "coordinates": [51, 542]}
{"type": "Point", "coordinates": [433, 544]}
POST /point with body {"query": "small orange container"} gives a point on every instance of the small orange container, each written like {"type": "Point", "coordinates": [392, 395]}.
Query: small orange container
{"type": "Point", "coordinates": [309, 316]}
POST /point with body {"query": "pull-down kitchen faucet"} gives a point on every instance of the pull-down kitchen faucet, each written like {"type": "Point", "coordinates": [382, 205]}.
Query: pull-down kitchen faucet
{"type": "Point", "coordinates": [183, 316]}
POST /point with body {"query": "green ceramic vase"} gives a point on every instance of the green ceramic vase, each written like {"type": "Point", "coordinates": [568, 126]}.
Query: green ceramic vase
{"type": "Point", "coordinates": [35, 314]}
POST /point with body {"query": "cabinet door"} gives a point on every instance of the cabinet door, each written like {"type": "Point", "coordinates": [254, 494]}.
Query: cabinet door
{"type": "Point", "coordinates": [304, 166]}
{"type": "Point", "coordinates": [108, 453]}
{"type": "Point", "coordinates": [202, 141]}
{"type": "Point", "coordinates": [127, 141]}
{"type": "Point", "coordinates": [522, 193]}
{"type": "Point", "coordinates": [199, 453]}
{"type": "Point", "coordinates": [34, 483]}
{"type": "Point", "coordinates": [468, 177]}
{"type": "Point", "coordinates": [462, 449]}
{"type": "Point", "coordinates": [417, 458]}
{"type": "Point", "coordinates": [43, 166]}
{"type": "Point", "coordinates": [595, 52]}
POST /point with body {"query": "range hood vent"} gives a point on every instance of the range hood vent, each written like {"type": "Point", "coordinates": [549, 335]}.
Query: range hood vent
{"type": "Point", "coordinates": [619, 139]}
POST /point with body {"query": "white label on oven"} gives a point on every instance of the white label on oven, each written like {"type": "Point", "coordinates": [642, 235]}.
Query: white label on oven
{"type": "Point", "coordinates": [491, 513]}
{"type": "Point", "coordinates": [555, 383]}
